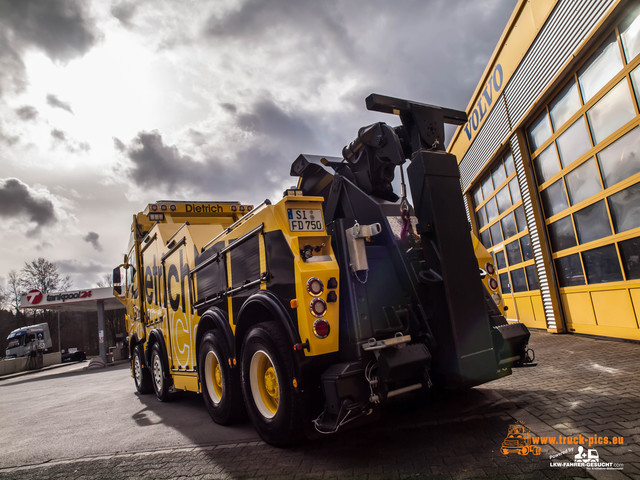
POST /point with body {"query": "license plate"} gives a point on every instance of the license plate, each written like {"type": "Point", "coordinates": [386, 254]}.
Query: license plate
{"type": "Point", "coordinates": [305, 220]}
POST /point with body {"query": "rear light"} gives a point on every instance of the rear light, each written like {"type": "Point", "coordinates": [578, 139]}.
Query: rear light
{"type": "Point", "coordinates": [496, 298]}
{"type": "Point", "coordinates": [314, 286]}
{"type": "Point", "coordinates": [490, 268]}
{"type": "Point", "coordinates": [493, 283]}
{"type": "Point", "coordinates": [318, 307]}
{"type": "Point", "coordinates": [321, 328]}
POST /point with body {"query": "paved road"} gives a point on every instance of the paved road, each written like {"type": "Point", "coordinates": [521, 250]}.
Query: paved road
{"type": "Point", "coordinates": [91, 424]}
{"type": "Point", "coordinates": [70, 412]}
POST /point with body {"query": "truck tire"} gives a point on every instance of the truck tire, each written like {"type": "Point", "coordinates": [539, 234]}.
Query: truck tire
{"type": "Point", "coordinates": [273, 405]}
{"type": "Point", "coordinates": [220, 383]}
{"type": "Point", "coordinates": [141, 374]}
{"type": "Point", "coordinates": [158, 374]}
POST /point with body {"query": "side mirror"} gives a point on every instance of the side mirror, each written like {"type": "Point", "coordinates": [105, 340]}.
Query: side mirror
{"type": "Point", "coordinates": [117, 281]}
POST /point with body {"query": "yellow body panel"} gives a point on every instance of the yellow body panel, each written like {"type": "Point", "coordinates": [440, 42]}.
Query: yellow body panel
{"type": "Point", "coordinates": [274, 218]}
{"type": "Point", "coordinates": [538, 310]}
{"type": "Point", "coordinates": [162, 293]}
{"type": "Point", "coordinates": [606, 310]}
{"type": "Point", "coordinates": [525, 309]}
{"type": "Point", "coordinates": [613, 308]}
{"type": "Point", "coordinates": [186, 382]}
{"type": "Point", "coordinates": [578, 310]}
{"type": "Point", "coordinates": [635, 298]}
{"type": "Point", "coordinates": [484, 257]}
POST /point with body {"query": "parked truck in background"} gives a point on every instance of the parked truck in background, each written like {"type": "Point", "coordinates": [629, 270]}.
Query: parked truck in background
{"type": "Point", "coordinates": [28, 340]}
{"type": "Point", "coordinates": [312, 312]}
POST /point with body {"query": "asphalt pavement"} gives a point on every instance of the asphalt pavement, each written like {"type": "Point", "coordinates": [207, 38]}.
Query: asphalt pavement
{"type": "Point", "coordinates": [73, 423]}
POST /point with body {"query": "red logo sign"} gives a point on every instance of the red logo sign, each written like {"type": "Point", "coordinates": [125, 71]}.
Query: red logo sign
{"type": "Point", "coordinates": [34, 296]}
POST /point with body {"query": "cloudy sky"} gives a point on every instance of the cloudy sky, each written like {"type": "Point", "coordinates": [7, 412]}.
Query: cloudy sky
{"type": "Point", "coordinates": [106, 106]}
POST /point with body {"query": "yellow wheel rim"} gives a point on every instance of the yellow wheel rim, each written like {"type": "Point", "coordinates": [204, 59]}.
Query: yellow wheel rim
{"type": "Point", "coordinates": [265, 388]}
{"type": "Point", "coordinates": [213, 377]}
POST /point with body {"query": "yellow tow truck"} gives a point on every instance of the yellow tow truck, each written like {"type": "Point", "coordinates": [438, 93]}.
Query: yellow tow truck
{"type": "Point", "coordinates": [310, 313]}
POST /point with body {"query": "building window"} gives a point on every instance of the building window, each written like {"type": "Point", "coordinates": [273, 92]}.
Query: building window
{"type": "Point", "coordinates": [625, 208]}
{"type": "Point", "coordinates": [630, 254]}
{"type": "Point", "coordinates": [585, 150]}
{"type": "Point", "coordinates": [621, 159]}
{"type": "Point", "coordinates": [600, 68]}
{"type": "Point", "coordinates": [611, 112]}
{"type": "Point", "coordinates": [502, 226]}
{"type": "Point", "coordinates": [630, 34]}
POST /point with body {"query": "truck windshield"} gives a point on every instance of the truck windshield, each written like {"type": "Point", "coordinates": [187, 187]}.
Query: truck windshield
{"type": "Point", "coordinates": [16, 342]}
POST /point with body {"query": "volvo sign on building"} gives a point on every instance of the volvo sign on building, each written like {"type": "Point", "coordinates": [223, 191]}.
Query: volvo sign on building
{"type": "Point", "coordinates": [550, 165]}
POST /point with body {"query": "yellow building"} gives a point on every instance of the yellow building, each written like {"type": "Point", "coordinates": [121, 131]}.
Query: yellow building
{"type": "Point", "coordinates": [550, 165]}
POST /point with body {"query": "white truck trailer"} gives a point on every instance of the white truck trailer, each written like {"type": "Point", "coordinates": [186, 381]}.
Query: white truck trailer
{"type": "Point", "coordinates": [25, 340]}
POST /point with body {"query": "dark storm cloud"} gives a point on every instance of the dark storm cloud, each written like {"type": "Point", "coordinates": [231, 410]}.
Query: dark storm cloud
{"type": "Point", "coordinates": [27, 113]}
{"type": "Point", "coordinates": [260, 162]}
{"type": "Point", "coordinates": [12, 72]}
{"type": "Point", "coordinates": [60, 138]}
{"type": "Point", "coordinates": [124, 12]}
{"type": "Point", "coordinates": [55, 102]}
{"type": "Point", "coordinates": [432, 51]}
{"type": "Point", "coordinates": [18, 200]}
{"type": "Point", "coordinates": [155, 163]}
{"type": "Point", "coordinates": [86, 271]}
{"type": "Point", "coordinates": [60, 28]}
{"type": "Point", "coordinates": [164, 167]}
{"type": "Point", "coordinates": [119, 144]}
{"type": "Point", "coordinates": [58, 135]}
{"type": "Point", "coordinates": [272, 121]}
{"type": "Point", "coordinates": [229, 107]}
{"type": "Point", "coordinates": [94, 239]}
{"type": "Point", "coordinates": [257, 18]}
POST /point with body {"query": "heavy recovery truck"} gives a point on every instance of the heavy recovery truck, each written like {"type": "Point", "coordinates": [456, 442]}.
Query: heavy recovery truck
{"type": "Point", "coordinates": [312, 312]}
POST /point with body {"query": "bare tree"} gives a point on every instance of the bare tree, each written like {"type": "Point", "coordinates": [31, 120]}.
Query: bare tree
{"type": "Point", "coordinates": [4, 298]}
{"type": "Point", "coordinates": [43, 275]}
{"type": "Point", "coordinates": [106, 281]}
{"type": "Point", "coordinates": [14, 290]}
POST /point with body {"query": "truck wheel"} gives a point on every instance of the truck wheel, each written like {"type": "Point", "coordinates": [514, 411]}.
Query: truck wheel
{"type": "Point", "coordinates": [160, 383]}
{"type": "Point", "coordinates": [267, 385]}
{"type": "Point", "coordinates": [141, 374]}
{"type": "Point", "coordinates": [220, 383]}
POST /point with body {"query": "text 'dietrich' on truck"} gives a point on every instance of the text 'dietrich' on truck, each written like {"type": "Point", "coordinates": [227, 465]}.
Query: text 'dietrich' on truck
{"type": "Point", "coordinates": [310, 313]}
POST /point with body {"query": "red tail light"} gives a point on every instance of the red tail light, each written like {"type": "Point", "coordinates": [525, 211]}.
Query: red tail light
{"type": "Point", "coordinates": [321, 328]}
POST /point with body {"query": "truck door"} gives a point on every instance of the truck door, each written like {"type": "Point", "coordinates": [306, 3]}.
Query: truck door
{"type": "Point", "coordinates": [179, 308]}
